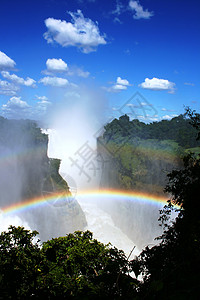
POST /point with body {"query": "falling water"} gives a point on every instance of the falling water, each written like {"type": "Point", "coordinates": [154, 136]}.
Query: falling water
{"type": "Point", "coordinates": [72, 138]}
{"type": "Point", "coordinates": [142, 218]}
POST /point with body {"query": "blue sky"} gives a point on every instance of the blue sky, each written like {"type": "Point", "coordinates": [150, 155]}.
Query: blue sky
{"type": "Point", "coordinates": [142, 57]}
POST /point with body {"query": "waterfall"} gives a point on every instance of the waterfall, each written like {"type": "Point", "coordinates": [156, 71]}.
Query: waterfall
{"type": "Point", "coordinates": [101, 212]}
{"type": "Point", "coordinates": [72, 139]}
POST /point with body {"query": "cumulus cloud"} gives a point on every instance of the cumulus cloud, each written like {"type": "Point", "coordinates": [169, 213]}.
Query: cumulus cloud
{"type": "Point", "coordinates": [123, 82]}
{"type": "Point", "coordinates": [157, 84]}
{"type": "Point", "coordinates": [15, 107]}
{"type": "Point", "coordinates": [120, 85]}
{"type": "Point", "coordinates": [19, 109]}
{"type": "Point", "coordinates": [56, 65]}
{"type": "Point", "coordinates": [54, 81]}
{"type": "Point", "coordinates": [7, 88]}
{"type": "Point", "coordinates": [80, 32]}
{"type": "Point", "coordinates": [18, 80]}
{"type": "Point", "coordinates": [6, 62]}
{"type": "Point", "coordinates": [139, 12]}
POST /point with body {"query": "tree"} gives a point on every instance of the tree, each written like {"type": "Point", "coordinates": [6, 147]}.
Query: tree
{"type": "Point", "coordinates": [19, 263]}
{"type": "Point", "coordinates": [194, 119]}
{"type": "Point", "coordinates": [79, 266]}
{"type": "Point", "coordinates": [72, 267]}
{"type": "Point", "coordinates": [171, 270]}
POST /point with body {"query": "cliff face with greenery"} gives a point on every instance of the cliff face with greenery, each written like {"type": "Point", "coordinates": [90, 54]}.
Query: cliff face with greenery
{"type": "Point", "coordinates": [26, 172]}
{"type": "Point", "coordinates": [138, 156]}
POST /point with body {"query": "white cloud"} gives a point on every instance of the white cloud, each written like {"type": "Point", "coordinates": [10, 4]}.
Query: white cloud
{"type": "Point", "coordinates": [7, 88]}
{"type": "Point", "coordinates": [18, 80]}
{"type": "Point", "coordinates": [120, 85]}
{"type": "Point", "coordinates": [59, 66]}
{"type": "Point", "coordinates": [80, 32]}
{"type": "Point", "coordinates": [54, 81]}
{"type": "Point", "coordinates": [41, 98]}
{"type": "Point", "coordinates": [56, 65]}
{"type": "Point", "coordinates": [6, 62]}
{"type": "Point", "coordinates": [15, 106]}
{"type": "Point", "coordinates": [123, 82]}
{"type": "Point", "coordinates": [167, 117]}
{"type": "Point", "coordinates": [19, 109]}
{"type": "Point", "coordinates": [157, 84]}
{"type": "Point", "coordinates": [139, 12]}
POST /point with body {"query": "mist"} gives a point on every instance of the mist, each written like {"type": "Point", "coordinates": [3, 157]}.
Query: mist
{"type": "Point", "coordinates": [73, 125]}
{"type": "Point", "coordinates": [73, 131]}
{"type": "Point", "coordinates": [24, 168]}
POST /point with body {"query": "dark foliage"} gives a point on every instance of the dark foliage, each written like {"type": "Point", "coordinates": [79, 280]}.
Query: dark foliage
{"type": "Point", "coordinates": [177, 129]}
{"type": "Point", "coordinates": [171, 270]}
{"type": "Point", "coordinates": [72, 267]}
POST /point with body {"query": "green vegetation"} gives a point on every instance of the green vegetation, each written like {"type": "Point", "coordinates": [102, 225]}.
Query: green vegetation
{"type": "Point", "coordinates": [79, 267]}
{"type": "Point", "coordinates": [171, 269]}
{"type": "Point", "coordinates": [53, 182]}
{"type": "Point", "coordinates": [177, 129]}
{"type": "Point", "coordinates": [140, 155]}
{"type": "Point", "coordinates": [19, 261]}
{"type": "Point", "coordinates": [72, 267]}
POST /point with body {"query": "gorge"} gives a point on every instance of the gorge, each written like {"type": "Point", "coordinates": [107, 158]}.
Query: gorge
{"type": "Point", "coordinates": [108, 191]}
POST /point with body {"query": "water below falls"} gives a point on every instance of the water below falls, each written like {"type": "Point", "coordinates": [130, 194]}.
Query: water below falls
{"type": "Point", "coordinates": [101, 224]}
{"type": "Point", "coordinates": [123, 223]}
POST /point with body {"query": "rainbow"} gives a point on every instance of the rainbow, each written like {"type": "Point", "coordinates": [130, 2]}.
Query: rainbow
{"type": "Point", "coordinates": [126, 195]}
{"type": "Point", "coordinates": [85, 194]}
